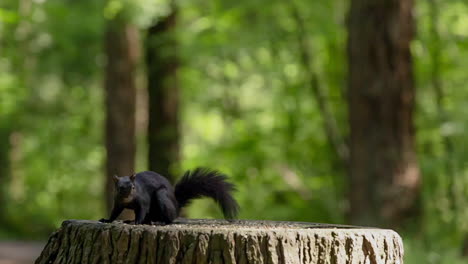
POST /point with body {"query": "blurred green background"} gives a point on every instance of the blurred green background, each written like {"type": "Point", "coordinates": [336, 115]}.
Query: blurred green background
{"type": "Point", "coordinates": [253, 80]}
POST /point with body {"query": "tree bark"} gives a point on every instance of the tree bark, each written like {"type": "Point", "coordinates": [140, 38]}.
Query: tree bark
{"type": "Point", "coordinates": [215, 241]}
{"type": "Point", "coordinates": [435, 53]}
{"type": "Point", "coordinates": [5, 166]}
{"type": "Point", "coordinates": [384, 173]}
{"type": "Point", "coordinates": [163, 96]}
{"type": "Point", "coordinates": [121, 46]}
{"type": "Point", "coordinates": [329, 121]}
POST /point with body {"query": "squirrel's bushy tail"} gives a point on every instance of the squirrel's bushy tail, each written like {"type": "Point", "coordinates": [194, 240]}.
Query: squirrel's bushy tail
{"type": "Point", "coordinates": [210, 183]}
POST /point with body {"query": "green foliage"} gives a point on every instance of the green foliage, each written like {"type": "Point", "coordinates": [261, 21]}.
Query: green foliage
{"type": "Point", "coordinates": [251, 111]}
{"type": "Point", "coordinates": [417, 252]}
{"type": "Point", "coordinates": [51, 104]}
{"type": "Point", "coordinates": [248, 110]}
{"type": "Point", "coordinates": [440, 49]}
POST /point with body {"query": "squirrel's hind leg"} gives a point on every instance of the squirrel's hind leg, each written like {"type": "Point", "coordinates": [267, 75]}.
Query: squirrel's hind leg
{"type": "Point", "coordinates": [141, 214]}
{"type": "Point", "coordinates": [164, 210]}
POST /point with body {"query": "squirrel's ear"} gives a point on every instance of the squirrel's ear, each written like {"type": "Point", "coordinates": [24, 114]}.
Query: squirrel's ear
{"type": "Point", "coordinates": [115, 178]}
{"type": "Point", "coordinates": [133, 177]}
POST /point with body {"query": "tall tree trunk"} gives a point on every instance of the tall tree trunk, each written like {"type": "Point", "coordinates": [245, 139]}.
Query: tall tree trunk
{"type": "Point", "coordinates": [5, 146]}
{"type": "Point", "coordinates": [163, 96]}
{"type": "Point", "coordinates": [384, 173]}
{"type": "Point", "coordinates": [121, 47]}
{"type": "Point", "coordinates": [329, 122]}
{"type": "Point", "coordinates": [435, 55]}
{"type": "Point", "coordinates": [16, 40]}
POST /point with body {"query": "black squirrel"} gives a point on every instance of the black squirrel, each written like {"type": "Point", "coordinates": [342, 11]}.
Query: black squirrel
{"type": "Point", "coordinates": [154, 199]}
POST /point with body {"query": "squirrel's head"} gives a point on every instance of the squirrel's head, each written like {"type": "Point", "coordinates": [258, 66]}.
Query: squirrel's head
{"type": "Point", "coordinates": [125, 185]}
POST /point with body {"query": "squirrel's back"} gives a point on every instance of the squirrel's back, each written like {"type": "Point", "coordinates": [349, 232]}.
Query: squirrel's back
{"type": "Point", "coordinates": [153, 180]}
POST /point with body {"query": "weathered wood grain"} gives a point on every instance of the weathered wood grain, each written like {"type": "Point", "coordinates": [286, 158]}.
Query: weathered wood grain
{"type": "Point", "coordinates": [216, 241]}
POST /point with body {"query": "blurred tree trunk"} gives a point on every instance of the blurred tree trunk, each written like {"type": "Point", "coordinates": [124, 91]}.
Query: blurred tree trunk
{"type": "Point", "coordinates": [15, 43]}
{"type": "Point", "coordinates": [329, 121]}
{"type": "Point", "coordinates": [163, 96]}
{"type": "Point", "coordinates": [384, 173]}
{"type": "Point", "coordinates": [435, 53]}
{"type": "Point", "coordinates": [121, 47]}
{"type": "Point", "coordinates": [5, 146]}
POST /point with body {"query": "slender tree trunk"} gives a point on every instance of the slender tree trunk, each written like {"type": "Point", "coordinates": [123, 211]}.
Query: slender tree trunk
{"type": "Point", "coordinates": [435, 49]}
{"type": "Point", "coordinates": [17, 38]}
{"type": "Point", "coordinates": [121, 46]}
{"type": "Point", "coordinates": [163, 96]}
{"type": "Point", "coordinates": [329, 121]}
{"type": "Point", "coordinates": [5, 146]}
{"type": "Point", "coordinates": [384, 173]}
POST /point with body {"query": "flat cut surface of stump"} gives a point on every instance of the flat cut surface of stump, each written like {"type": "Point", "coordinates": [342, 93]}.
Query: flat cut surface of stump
{"type": "Point", "coordinates": [218, 241]}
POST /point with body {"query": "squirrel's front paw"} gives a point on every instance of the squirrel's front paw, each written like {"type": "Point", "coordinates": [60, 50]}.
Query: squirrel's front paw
{"type": "Point", "coordinates": [103, 220]}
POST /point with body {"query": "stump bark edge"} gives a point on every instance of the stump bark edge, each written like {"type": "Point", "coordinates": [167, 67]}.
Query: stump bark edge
{"type": "Point", "coordinates": [218, 241]}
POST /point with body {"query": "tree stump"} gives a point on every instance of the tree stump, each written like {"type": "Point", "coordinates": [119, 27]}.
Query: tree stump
{"type": "Point", "coordinates": [218, 241]}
